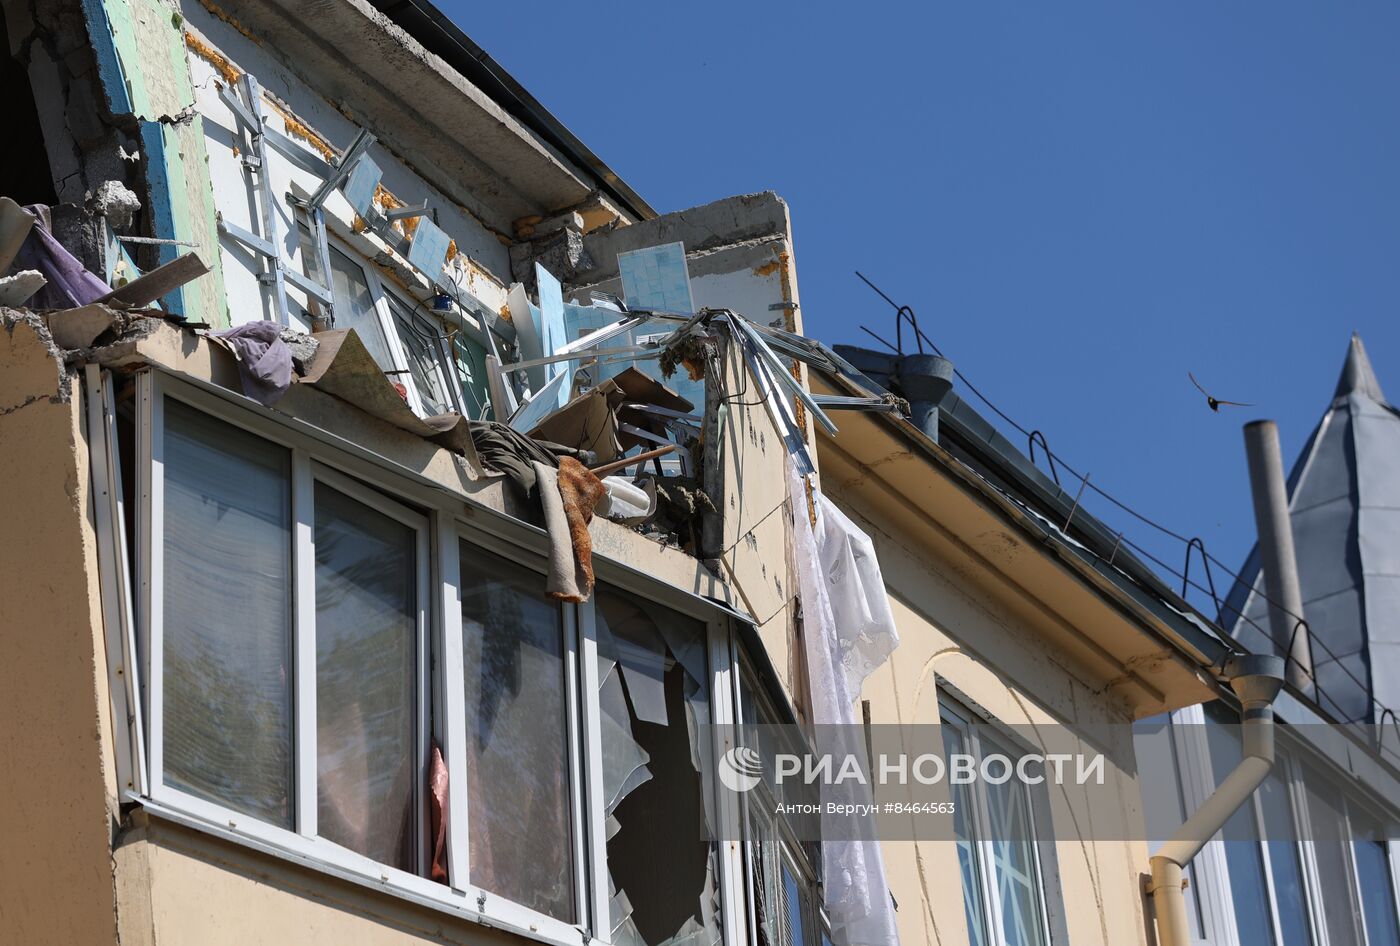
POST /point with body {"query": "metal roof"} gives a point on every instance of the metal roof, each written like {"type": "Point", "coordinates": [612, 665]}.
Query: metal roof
{"type": "Point", "coordinates": [1002, 469]}
{"type": "Point", "coordinates": [1344, 502]}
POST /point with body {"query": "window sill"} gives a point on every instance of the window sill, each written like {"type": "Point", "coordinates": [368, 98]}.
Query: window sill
{"type": "Point", "coordinates": [356, 870]}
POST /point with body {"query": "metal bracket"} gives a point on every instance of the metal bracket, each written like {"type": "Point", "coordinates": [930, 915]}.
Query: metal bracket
{"type": "Point", "coordinates": [276, 272]}
{"type": "Point", "coordinates": [403, 213]}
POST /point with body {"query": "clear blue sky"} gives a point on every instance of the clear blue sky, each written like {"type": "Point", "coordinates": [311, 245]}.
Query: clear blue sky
{"type": "Point", "coordinates": [1081, 201]}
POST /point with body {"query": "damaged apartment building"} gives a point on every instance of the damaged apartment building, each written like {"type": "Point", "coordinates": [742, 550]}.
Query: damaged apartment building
{"type": "Point", "coordinates": [404, 520]}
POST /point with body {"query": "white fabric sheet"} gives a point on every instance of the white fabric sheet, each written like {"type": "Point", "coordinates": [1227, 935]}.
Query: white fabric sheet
{"type": "Point", "coordinates": [849, 632]}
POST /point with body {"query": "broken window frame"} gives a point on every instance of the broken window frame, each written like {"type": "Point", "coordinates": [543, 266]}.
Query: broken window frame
{"type": "Point", "coordinates": [380, 291]}
{"type": "Point", "coordinates": [431, 333]}
{"type": "Point", "coordinates": [442, 521]}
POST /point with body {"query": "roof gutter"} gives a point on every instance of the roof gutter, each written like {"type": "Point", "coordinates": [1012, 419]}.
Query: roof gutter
{"type": "Point", "coordinates": [431, 27]}
{"type": "Point", "coordinates": [1178, 627]}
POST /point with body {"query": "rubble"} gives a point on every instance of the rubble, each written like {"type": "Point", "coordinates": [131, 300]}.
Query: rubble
{"type": "Point", "coordinates": [114, 201]}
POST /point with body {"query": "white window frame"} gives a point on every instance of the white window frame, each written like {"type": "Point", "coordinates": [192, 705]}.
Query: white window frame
{"type": "Point", "coordinates": [969, 723]}
{"type": "Point", "coordinates": [379, 291]}
{"type": "Point", "coordinates": [1317, 906]}
{"type": "Point", "coordinates": [302, 839]}
{"type": "Point", "coordinates": [1189, 729]}
{"type": "Point", "coordinates": [307, 474]}
{"type": "Point", "coordinates": [445, 520]}
{"type": "Point", "coordinates": [442, 354]}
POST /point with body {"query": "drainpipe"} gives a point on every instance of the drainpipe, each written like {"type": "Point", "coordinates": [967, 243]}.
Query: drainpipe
{"type": "Point", "coordinates": [1277, 556]}
{"type": "Point", "coordinates": [1256, 680]}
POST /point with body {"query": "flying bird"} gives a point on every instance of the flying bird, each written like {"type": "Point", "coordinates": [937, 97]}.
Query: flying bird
{"type": "Point", "coordinates": [1214, 402]}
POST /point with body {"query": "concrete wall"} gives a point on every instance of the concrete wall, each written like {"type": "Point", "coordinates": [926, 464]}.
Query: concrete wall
{"type": "Point", "coordinates": [56, 873]}
{"type": "Point", "coordinates": [179, 886]}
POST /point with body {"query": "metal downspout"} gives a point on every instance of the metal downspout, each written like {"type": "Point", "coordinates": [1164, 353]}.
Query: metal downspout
{"type": "Point", "coordinates": [1256, 680]}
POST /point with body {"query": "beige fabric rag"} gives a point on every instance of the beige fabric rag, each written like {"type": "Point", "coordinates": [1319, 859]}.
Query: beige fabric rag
{"type": "Point", "coordinates": [562, 581]}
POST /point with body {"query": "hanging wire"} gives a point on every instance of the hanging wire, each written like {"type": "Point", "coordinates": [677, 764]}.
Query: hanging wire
{"type": "Point", "coordinates": [1209, 560]}
{"type": "Point", "coordinates": [1197, 543]}
{"type": "Point", "coordinates": [1050, 457]}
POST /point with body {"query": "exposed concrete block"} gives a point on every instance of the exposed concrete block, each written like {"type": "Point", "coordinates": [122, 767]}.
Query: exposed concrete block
{"type": "Point", "coordinates": [302, 346]}
{"type": "Point", "coordinates": [15, 290]}
{"type": "Point", "coordinates": [79, 328]}
{"type": "Point", "coordinates": [80, 232]}
{"type": "Point", "coordinates": [741, 219]}
{"type": "Point", "coordinates": [84, 114]}
{"type": "Point", "coordinates": [114, 201]}
{"type": "Point", "coordinates": [564, 254]}
{"type": "Point", "coordinates": [535, 226]}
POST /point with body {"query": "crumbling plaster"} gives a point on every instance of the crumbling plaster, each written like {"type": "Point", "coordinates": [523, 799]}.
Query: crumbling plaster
{"type": "Point", "coordinates": [57, 781]}
{"type": "Point", "coordinates": [218, 48]}
{"type": "Point", "coordinates": [114, 100]}
{"type": "Point", "coordinates": [452, 134]}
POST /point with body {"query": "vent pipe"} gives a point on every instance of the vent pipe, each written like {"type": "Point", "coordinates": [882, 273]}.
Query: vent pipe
{"type": "Point", "coordinates": [924, 380]}
{"type": "Point", "coordinates": [1277, 556]}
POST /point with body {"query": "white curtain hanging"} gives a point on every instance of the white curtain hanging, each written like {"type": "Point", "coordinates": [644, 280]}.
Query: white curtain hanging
{"type": "Point", "coordinates": [849, 632]}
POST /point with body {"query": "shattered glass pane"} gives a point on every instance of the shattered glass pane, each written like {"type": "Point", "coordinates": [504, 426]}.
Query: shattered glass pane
{"type": "Point", "coordinates": [521, 844]}
{"type": "Point", "coordinates": [354, 307]}
{"type": "Point", "coordinates": [366, 655]}
{"type": "Point", "coordinates": [227, 615]}
{"type": "Point", "coordinates": [653, 672]}
{"type": "Point", "coordinates": [420, 345]}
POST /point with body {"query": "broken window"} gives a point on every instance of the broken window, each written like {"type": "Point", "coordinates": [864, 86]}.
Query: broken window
{"type": "Point", "coordinates": [422, 346]}
{"type": "Point", "coordinates": [355, 308]}
{"type": "Point", "coordinates": [403, 341]}
{"type": "Point", "coordinates": [654, 696]}
{"type": "Point", "coordinates": [517, 736]}
{"type": "Point", "coordinates": [290, 631]}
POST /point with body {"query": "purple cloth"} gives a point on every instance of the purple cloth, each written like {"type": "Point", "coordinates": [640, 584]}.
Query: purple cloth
{"type": "Point", "coordinates": [264, 360]}
{"type": "Point", "coordinates": [69, 283]}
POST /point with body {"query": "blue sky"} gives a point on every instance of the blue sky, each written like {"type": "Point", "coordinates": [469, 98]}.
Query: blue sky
{"type": "Point", "coordinates": [1081, 201]}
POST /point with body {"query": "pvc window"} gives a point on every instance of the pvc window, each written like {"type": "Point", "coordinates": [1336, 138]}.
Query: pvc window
{"type": "Point", "coordinates": [1306, 861]}
{"type": "Point", "coordinates": [324, 641]}
{"type": "Point", "coordinates": [286, 620]}
{"type": "Point", "coordinates": [784, 877]}
{"type": "Point", "coordinates": [409, 346]}
{"type": "Point", "coordinates": [996, 827]}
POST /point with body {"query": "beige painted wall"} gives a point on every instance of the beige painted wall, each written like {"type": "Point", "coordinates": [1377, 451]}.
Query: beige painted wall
{"type": "Point", "coordinates": [950, 630]}
{"type": "Point", "coordinates": [181, 887]}
{"type": "Point", "coordinates": [55, 753]}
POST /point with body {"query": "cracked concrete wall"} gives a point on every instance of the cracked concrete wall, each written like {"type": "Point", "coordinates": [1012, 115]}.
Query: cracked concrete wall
{"type": "Point", "coordinates": [739, 252]}
{"type": "Point", "coordinates": [114, 100]}
{"type": "Point", "coordinates": [56, 873]}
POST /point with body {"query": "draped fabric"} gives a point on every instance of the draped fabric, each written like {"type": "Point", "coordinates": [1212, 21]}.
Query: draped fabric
{"type": "Point", "coordinates": [849, 631]}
